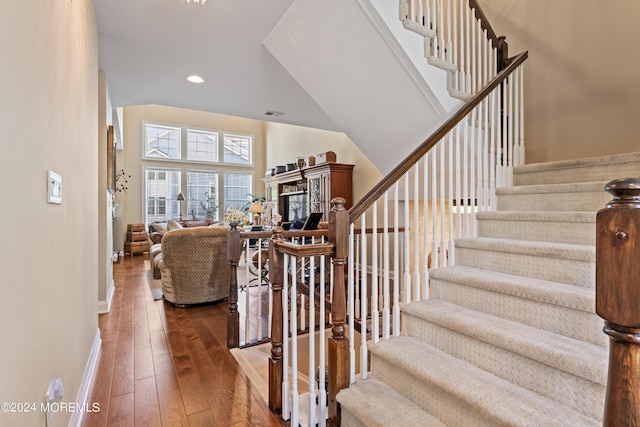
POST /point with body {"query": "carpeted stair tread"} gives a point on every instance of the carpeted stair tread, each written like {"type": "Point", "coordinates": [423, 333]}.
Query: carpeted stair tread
{"type": "Point", "coordinates": [555, 293]}
{"type": "Point", "coordinates": [573, 227]}
{"type": "Point", "coordinates": [541, 216]}
{"type": "Point", "coordinates": [584, 253]}
{"type": "Point", "coordinates": [578, 187]}
{"type": "Point", "coordinates": [615, 159]}
{"type": "Point", "coordinates": [375, 404]}
{"type": "Point", "coordinates": [569, 355]}
{"type": "Point", "coordinates": [579, 170]}
{"type": "Point", "coordinates": [496, 399]}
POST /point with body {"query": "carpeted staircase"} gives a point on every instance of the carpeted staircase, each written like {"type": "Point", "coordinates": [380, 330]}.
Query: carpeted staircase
{"type": "Point", "coordinates": [510, 335]}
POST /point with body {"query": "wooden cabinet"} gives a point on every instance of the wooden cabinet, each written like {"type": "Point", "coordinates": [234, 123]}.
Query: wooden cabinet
{"type": "Point", "coordinates": [311, 189]}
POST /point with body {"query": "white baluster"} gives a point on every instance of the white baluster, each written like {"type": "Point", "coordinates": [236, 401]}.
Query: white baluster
{"type": "Point", "coordinates": [375, 314]}
{"type": "Point", "coordinates": [407, 237]}
{"type": "Point", "coordinates": [458, 195]}
{"type": "Point", "coordinates": [450, 197]}
{"type": "Point", "coordinates": [312, 340]}
{"type": "Point", "coordinates": [425, 224]}
{"type": "Point", "coordinates": [351, 304]}
{"type": "Point", "coordinates": [386, 320]}
{"type": "Point", "coordinates": [322, 393]}
{"type": "Point", "coordinates": [434, 211]}
{"type": "Point", "coordinates": [295, 407]}
{"type": "Point", "coordinates": [511, 116]}
{"type": "Point", "coordinates": [259, 335]}
{"type": "Point", "coordinates": [521, 109]}
{"type": "Point", "coordinates": [442, 201]}
{"type": "Point", "coordinates": [396, 261]}
{"type": "Point", "coordinates": [416, 226]}
{"type": "Point", "coordinates": [465, 178]}
{"type": "Point", "coordinates": [363, 301]}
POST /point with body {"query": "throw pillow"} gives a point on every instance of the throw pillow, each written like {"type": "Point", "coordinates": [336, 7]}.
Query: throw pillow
{"type": "Point", "coordinates": [172, 225]}
{"type": "Point", "coordinates": [160, 227]}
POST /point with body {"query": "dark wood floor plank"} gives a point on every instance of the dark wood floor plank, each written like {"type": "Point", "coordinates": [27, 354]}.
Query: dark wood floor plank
{"type": "Point", "coordinates": [202, 419]}
{"type": "Point", "coordinates": [147, 409]}
{"type": "Point", "coordinates": [161, 365]}
{"type": "Point", "coordinates": [172, 409]}
{"type": "Point", "coordinates": [121, 411]}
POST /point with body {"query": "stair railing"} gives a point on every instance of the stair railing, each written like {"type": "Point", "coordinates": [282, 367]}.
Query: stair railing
{"type": "Point", "coordinates": [381, 250]}
{"type": "Point", "coordinates": [433, 195]}
{"type": "Point", "coordinates": [460, 40]}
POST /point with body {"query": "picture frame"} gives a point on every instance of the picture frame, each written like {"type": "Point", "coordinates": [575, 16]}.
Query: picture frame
{"type": "Point", "coordinates": [111, 160]}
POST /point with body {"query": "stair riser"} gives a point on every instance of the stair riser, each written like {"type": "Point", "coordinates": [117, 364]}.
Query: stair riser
{"type": "Point", "coordinates": [543, 379]}
{"type": "Point", "coordinates": [582, 174]}
{"type": "Point", "coordinates": [578, 233]}
{"type": "Point", "coordinates": [571, 323]}
{"type": "Point", "coordinates": [429, 397]}
{"type": "Point", "coordinates": [350, 420]}
{"type": "Point", "coordinates": [561, 270]}
{"type": "Point", "coordinates": [578, 201]}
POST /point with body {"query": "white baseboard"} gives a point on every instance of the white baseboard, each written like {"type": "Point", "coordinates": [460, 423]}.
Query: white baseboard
{"type": "Point", "coordinates": [87, 380]}
{"type": "Point", "coordinates": [105, 306]}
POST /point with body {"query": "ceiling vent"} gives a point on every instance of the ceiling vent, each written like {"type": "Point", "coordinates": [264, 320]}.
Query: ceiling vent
{"type": "Point", "coordinates": [273, 113]}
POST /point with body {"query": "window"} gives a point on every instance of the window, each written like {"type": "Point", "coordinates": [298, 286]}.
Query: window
{"type": "Point", "coordinates": [237, 188]}
{"type": "Point", "coordinates": [162, 142]}
{"type": "Point", "coordinates": [202, 194]}
{"type": "Point", "coordinates": [237, 149]}
{"type": "Point", "coordinates": [161, 189]}
{"type": "Point", "coordinates": [213, 169]}
{"type": "Point", "coordinates": [202, 146]}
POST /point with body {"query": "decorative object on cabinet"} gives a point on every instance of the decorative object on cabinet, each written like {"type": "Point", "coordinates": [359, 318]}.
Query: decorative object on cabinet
{"type": "Point", "coordinates": [302, 191]}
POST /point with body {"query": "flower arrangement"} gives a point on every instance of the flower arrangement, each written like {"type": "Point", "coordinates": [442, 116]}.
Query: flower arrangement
{"type": "Point", "coordinates": [121, 181]}
{"type": "Point", "coordinates": [209, 203]}
{"type": "Point", "coordinates": [236, 215]}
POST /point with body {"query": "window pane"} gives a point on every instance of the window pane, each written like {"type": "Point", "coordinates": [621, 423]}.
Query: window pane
{"type": "Point", "coordinates": [202, 146]}
{"type": "Point", "coordinates": [237, 190]}
{"type": "Point", "coordinates": [162, 142]}
{"type": "Point", "coordinates": [162, 188]}
{"type": "Point", "coordinates": [202, 194]}
{"type": "Point", "coordinates": [237, 149]}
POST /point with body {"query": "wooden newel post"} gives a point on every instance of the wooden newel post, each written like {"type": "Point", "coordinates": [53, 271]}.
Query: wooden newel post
{"type": "Point", "coordinates": [618, 299]}
{"type": "Point", "coordinates": [338, 346]}
{"type": "Point", "coordinates": [276, 278]}
{"type": "Point", "coordinates": [234, 248]}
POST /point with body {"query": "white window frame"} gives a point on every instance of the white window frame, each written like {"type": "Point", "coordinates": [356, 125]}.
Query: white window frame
{"type": "Point", "coordinates": [184, 166]}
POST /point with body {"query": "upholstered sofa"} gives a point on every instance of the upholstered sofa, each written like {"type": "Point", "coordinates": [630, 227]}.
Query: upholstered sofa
{"type": "Point", "coordinates": [194, 265]}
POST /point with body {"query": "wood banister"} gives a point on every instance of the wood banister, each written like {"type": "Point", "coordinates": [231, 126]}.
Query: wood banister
{"type": "Point", "coordinates": [276, 277]}
{"type": "Point", "coordinates": [338, 345]}
{"type": "Point", "coordinates": [234, 248]}
{"type": "Point", "coordinates": [618, 299]}
{"type": "Point", "coordinates": [378, 191]}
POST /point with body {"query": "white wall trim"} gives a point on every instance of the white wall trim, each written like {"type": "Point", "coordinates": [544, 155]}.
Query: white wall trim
{"type": "Point", "coordinates": [403, 58]}
{"type": "Point", "coordinates": [87, 380]}
{"type": "Point", "coordinates": [105, 306]}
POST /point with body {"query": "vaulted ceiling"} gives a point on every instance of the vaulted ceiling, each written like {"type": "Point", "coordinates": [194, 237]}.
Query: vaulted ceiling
{"type": "Point", "coordinates": [147, 48]}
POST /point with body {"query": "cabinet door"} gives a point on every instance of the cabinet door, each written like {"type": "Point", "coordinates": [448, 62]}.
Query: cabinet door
{"type": "Point", "coordinates": [316, 199]}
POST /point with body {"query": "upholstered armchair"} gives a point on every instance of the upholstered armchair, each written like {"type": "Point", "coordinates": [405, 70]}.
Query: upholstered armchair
{"type": "Point", "coordinates": [194, 265]}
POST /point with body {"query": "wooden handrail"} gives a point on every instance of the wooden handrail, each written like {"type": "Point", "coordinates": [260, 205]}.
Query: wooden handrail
{"type": "Point", "coordinates": [378, 191]}
{"type": "Point", "coordinates": [484, 23]}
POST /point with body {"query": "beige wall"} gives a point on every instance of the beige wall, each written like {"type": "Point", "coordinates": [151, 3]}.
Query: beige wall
{"type": "Point", "coordinates": [286, 142]}
{"type": "Point", "coordinates": [48, 115]}
{"type": "Point", "coordinates": [582, 85]}
{"type": "Point", "coordinates": [131, 210]}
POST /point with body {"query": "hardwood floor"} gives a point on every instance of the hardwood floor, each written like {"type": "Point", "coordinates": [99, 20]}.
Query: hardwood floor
{"type": "Point", "coordinates": [166, 366]}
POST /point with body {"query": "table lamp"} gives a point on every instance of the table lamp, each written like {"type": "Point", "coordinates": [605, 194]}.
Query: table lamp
{"type": "Point", "coordinates": [255, 209]}
{"type": "Point", "coordinates": [180, 198]}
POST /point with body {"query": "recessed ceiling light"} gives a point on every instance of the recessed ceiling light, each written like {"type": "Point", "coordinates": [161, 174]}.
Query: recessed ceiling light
{"type": "Point", "coordinates": [195, 79]}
